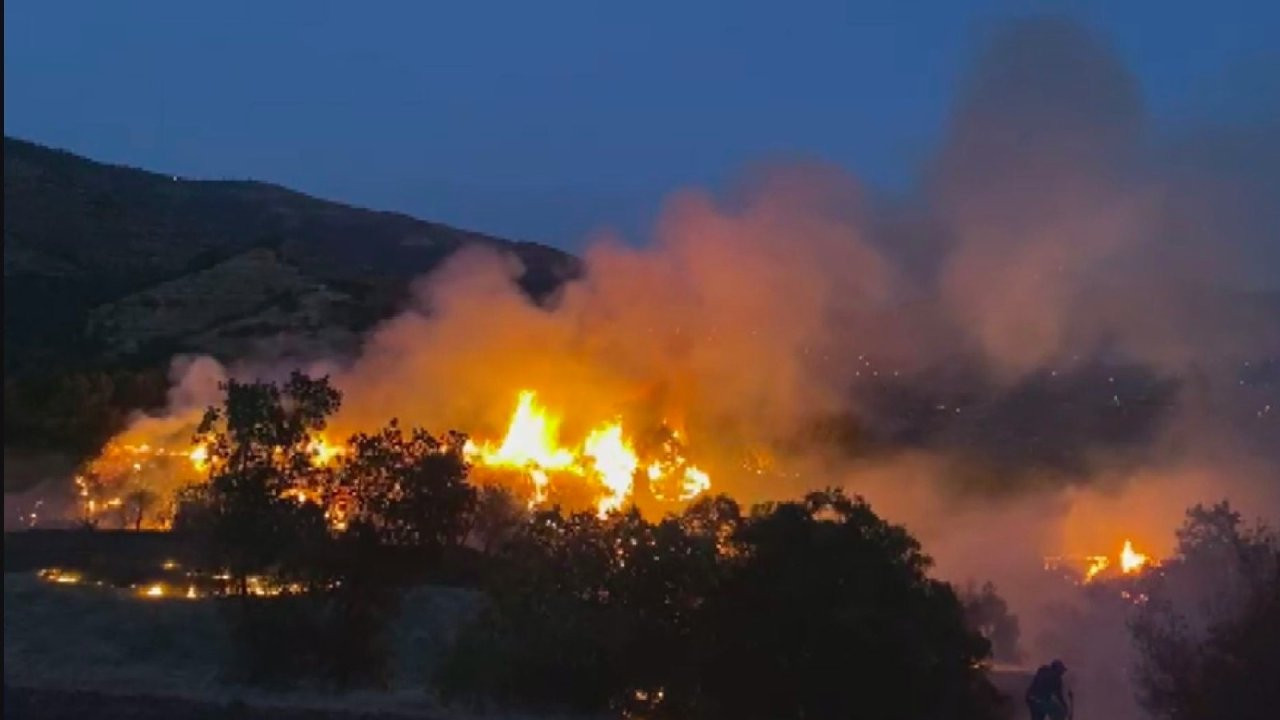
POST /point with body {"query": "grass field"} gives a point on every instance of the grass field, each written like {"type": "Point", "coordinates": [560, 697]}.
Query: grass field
{"type": "Point", "coordinates": [101, 639]}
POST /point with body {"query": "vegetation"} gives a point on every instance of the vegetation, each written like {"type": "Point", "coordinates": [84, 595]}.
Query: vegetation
{"type": "Point", "coordinates": [989, 614]}
{"type": "Point", "coordinates": [1209, 634]}
{"type": "Point", "coordinates": [820, 606]}
{"type": "Point", "coordinates": [76, 411]}
{"type": "Point", "coordinates": [330, 594]}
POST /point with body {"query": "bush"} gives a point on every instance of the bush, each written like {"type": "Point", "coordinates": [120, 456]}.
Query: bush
{"type": "Point", "coordinates": [808, 609]}
{"type": "Point", "coordinates": [1209, 631]}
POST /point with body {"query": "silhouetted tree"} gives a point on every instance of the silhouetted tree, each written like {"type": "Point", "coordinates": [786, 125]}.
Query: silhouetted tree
{"type": "Point", "coordinates": [587, 614]}
{"type": "Point", "coordinates": [411, 489]}
{"type": "Point", "coordinates": [496, 518]}
{"type": "Point", "coordinates": [826, 611]}
{"type": "Point", "coordinates": [261, 464]}
{"type": "Point", "coordinates": [988, 613]}
{"type": "Point", "coordinates": [263, 513]}
{"type": "Point", "coordinates": [808, 609]}
{"type": "Point", "coordinates": [1208, 633]}
{"type": "Point", "coordinates": [139, 502]}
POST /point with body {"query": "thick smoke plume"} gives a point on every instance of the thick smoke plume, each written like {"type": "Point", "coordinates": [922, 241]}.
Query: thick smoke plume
{"type": "Point", "coordinates": [1068, 334]}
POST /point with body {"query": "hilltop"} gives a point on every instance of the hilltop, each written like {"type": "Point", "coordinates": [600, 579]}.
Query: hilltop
{"type": "Point", "coordinates": [109, 264]}
{"type": "Point", "coordinates": [110, 271]}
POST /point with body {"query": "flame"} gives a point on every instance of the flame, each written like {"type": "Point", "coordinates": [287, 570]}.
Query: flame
{"type": "Point", "coordinates": [695, 483]}
{"type": "Point", "coordinates": [1095, 567]}
{"type": "Point", "coordinates": [323, 453]}
{"type": "Point", "coordinates": [199, 457]}
{"type": "Point", "coordinates": [607, 457]}
{"type": "Point", "coordinates": [616, 463]}
{"type": "Point", "coordinates": [62, 577]}
{"type": "Point", "coordinates": [1131, 561]}
{"type": "Point", "coordinates": [530, 445]}
{"type": "Point", "coordinates": [1097, 563]}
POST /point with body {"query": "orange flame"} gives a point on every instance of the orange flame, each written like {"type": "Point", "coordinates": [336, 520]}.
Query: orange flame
{"type": "Point", "coordinates": [1131, 561]}
{"type": "Point", "coordinates": [607, 456]}
{"type": "Point", "coordinates": [1097, 563]}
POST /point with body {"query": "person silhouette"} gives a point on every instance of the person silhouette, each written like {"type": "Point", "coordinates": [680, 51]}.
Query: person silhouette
{"type": "Point", "coordinates": [1045, 697]}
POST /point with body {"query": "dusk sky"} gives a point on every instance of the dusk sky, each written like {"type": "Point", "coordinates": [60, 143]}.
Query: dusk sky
{"type": "Point", "coordinates": [546, 120]}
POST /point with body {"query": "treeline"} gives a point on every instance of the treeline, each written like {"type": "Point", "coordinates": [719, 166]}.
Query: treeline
{"type": "Point", "coordinates": [1208, 630]}
{"type": "Point", "coordinates": [811, 608]}
{"type": "Point", "coordinates": [76, 411]}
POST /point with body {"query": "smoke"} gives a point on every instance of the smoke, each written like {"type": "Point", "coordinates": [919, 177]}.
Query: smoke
{"type": "Point", "coordinates": [1066, 335]}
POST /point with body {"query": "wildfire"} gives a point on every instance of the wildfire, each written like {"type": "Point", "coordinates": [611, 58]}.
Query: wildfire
{"type": "Point", "coordinates": [199, 457]}
{"type": "Point", "coordinates": [1097, 563]}
{"type": "Point", "coordinates": [1093, 567]}
{"type": "Point", "coordinates": [531, 445]}
{"type": "Point", "coordinates": [607, 457]}
{"type": "Point", "coordinates": [615, 462]}
{"type": "Point", "coordinates": [62, 577]}
{"type": "Point", "coordinates": [323, 453]}
{"type": "Point", "coordinates": [608, 460]}
{"type": "Point", "coordinates": [1131, 561]}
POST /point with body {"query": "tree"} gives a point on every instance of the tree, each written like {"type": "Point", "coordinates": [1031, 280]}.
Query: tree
{"type": "Point", "coordinates": [261, 474]}
{"type": "Point", "coordinates": [139, 503]}
{"type": "Point", "coordinates": [261, 515]}
{"type": "Point", "coordinates": [826, 611]}
{"type": "Point", "coordinates": [411, 489]}
{"type": "Point", "coordinates": [496, 518]}
{"type": "Point", "coordinates": [1209, 630]}
{"type": "Point", "coordinates": [988, 613]}
{"type": "Point", "coordinates": [815, 608]}
{"type": "Point", "coordinates": [588, 614]}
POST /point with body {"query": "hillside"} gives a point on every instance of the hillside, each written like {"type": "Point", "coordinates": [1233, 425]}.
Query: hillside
{"type": "Point", "coordinates": [109, 271]}
{"type": "Point", "coordinates": [107, 264]}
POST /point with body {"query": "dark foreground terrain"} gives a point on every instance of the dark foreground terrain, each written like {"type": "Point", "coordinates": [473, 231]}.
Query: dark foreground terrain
{"type": "Point", "coordinates": [21, 703]}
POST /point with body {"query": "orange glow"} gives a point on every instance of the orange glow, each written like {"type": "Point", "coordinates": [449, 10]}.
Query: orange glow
{"type": "Point", "coordinates": [1131, 561]}
{"type": "Point", "coordinates": [1097, 563]}
{"type": "Point", "coordinates": [615, 462]}
{"type": "Point", "coordinates": [323, 453]}
{"type": "Point", "coordinates": [607, 457]}
{"type": "Point", "coordinates": [199, 456]}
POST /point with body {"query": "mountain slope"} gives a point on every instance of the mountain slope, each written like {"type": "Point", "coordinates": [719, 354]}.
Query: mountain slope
{"type": "Point", "coordinates": [105, 264]}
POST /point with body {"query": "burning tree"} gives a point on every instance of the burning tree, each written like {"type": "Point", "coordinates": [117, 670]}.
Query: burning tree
{"type": "Point", "coordinates": [412, 489]}
{"type": "Point", "coordinates": [261, 474]}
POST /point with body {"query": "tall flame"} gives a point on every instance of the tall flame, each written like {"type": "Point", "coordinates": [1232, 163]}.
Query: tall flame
{"type": "Point", "coordinates": [607, 459]}
{"type": "Point", "coordinates": [616, 463]}
{"type": "Point", "coordinates": [607, 456]}
{"type": "Point", "coordinates": [1131, 561]}
{"type": "Point", "coordinates": [531, 444]}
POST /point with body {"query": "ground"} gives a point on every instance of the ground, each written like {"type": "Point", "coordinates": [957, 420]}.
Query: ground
{"type": "Point", "coordinates": [82, 650]}
{"type": "Point", "coordinates": [70, 648]}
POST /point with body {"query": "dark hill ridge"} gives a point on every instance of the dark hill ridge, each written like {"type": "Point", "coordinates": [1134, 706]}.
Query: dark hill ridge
{"type": "Point", "coordinates": [94, 252]}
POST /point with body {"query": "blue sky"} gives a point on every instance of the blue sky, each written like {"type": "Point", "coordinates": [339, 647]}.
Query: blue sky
{"type": "Point", "coordinates": [545, 120]}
